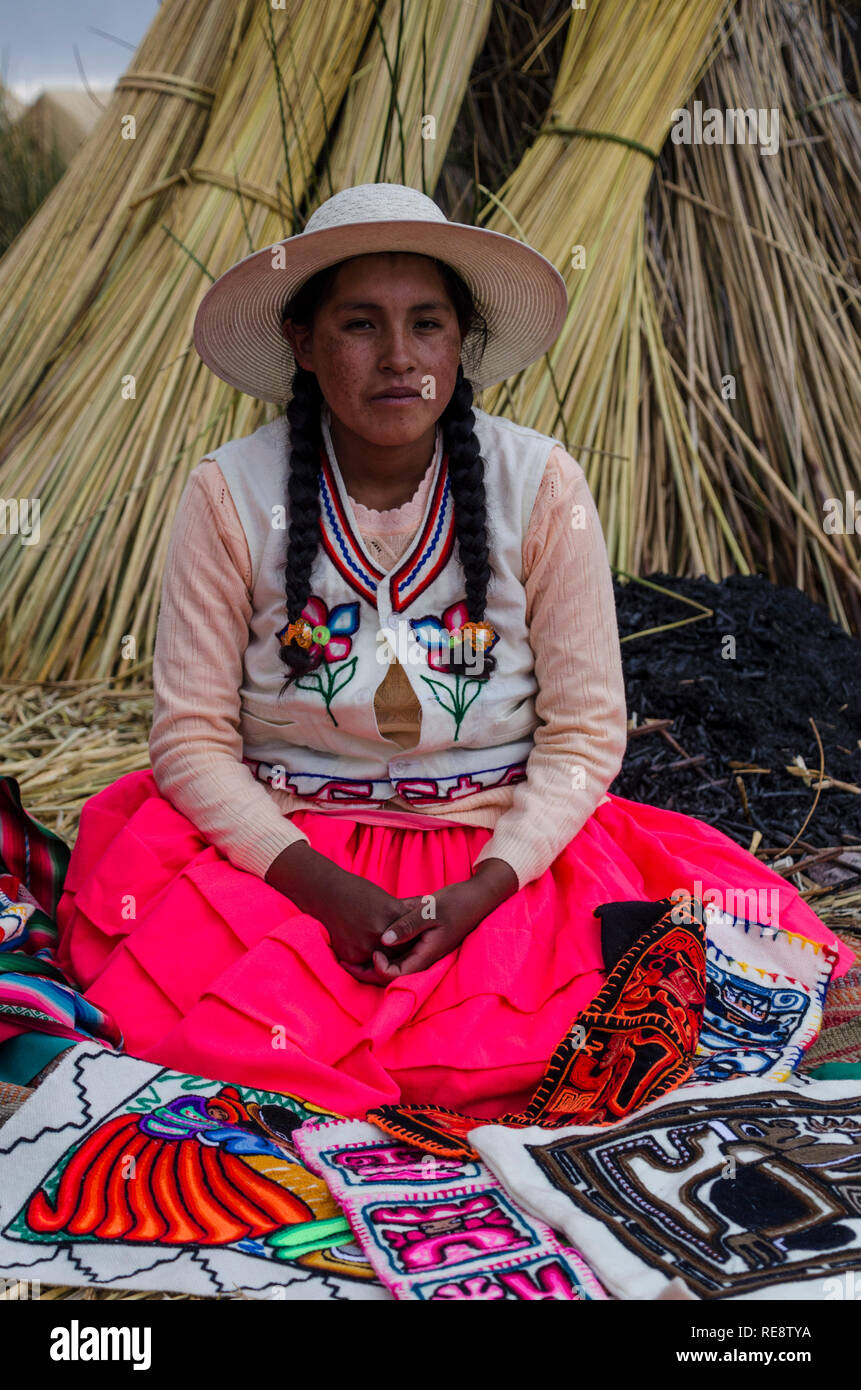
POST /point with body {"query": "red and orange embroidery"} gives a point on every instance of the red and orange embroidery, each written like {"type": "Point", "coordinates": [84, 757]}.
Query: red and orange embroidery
{"type": "Point", "coordinates": [438, 636]}
{"type": "Point", "coordinates": [327, 637]}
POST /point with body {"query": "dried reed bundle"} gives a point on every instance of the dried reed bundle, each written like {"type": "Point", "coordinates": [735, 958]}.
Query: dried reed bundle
{"type": "Point", "coordinates": [65, 742]}
{"type": "Point", "coordinates": [753, 267]}
{"type": "Point", "coordinates": [417, 65]}
{"type": "Point", "coordinates": [582, 184]}
{"type": "Point", "coordinates": [506, 102]}
{"type": "Point", "coordinates": [117, 469]}
{"type": "Point", "coordinates": [110, 471]}
{"type": "Point", "coordinates": [85, 227]}
{"type": "Point", "coordinates": [683, 483]}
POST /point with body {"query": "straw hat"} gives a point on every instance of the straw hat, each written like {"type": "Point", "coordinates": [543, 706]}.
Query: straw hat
{"type": "Point", "coordinates": [237, 328]}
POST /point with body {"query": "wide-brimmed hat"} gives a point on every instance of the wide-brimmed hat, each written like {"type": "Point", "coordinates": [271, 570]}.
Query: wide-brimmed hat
{"type": "Point", "coordinates": [237, 327]}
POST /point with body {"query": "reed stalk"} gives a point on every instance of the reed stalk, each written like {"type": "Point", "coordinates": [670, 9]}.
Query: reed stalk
{"type": "Point", "coordinates": [89, 223]}
{"type": "Point", "coordinates": [109, 467]}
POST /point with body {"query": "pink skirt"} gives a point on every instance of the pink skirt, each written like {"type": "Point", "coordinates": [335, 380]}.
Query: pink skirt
{"type": "Point", "coordinates": [209, 970]}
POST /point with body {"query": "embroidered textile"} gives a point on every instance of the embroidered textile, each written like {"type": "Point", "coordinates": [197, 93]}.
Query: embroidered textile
{"type": "Point", "coordinates": [635, 1041]}
{"type": "Point", "coordinates": [35, 994]}
{"type": "Point", "coordinates": [35, 855]}
{"type": "Point", "coordinates": [439, 1228]}
{"type": "Point", "coordinates": [764, 998]}
{"type": "Point", "coordinates": [749, 1189]}
{"type": "Point", "coordinates": [120, 1173]}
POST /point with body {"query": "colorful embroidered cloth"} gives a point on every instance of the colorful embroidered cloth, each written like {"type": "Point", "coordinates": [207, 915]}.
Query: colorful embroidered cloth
{"type": "Point", "coordinates": [635, 1041]}
{"type": "Point", "coordinates": [36, 855]}
{"type": "Point", "coordinates": [764, 998]}
{"type": "Point", "coordinates": [122, 1174]}
{"type": "Point", "coordinates": [748, 1189]}
{"type": "Point", "coordinates": [439, 1228]}
{"type": "Point", "coordinates": [35, 994]}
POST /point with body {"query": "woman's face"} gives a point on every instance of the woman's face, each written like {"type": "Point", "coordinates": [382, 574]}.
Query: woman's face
{"type": "Point", "coordinates": [388, 322]}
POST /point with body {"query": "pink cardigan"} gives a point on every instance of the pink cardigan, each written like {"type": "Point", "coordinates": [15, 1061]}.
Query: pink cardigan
{"type": "Point", "coordinates": [195, 744]}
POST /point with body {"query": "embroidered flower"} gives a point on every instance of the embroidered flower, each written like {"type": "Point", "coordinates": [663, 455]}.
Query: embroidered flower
{"type": "Point", "coordinates": [438, 637]}
{"type": "Point", "coordinates": [331, 632]}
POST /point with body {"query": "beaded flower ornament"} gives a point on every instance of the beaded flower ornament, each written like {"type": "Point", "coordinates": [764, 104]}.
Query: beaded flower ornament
{"type": "Point", "coordinates": [298, 632]}
{"type": "Point", "coordinates": [482, 633]}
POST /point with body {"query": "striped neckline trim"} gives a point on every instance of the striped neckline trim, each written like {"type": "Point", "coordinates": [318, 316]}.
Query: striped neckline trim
{"type": "Point", "coordinates": [423, 562]}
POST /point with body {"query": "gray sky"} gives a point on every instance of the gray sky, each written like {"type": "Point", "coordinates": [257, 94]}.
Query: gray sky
{"type": "Point", "coordinates": [38, 40]}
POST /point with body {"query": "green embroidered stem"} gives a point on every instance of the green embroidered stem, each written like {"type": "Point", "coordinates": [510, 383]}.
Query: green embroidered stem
{"type": "Point", "coordinates": [460, 705]}
{"type": "Point", "coordinates": [347, 669]}
{"type": "Point", "coordinates": [316, 684]}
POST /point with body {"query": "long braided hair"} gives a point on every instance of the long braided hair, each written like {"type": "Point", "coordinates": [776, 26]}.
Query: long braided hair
{"type": "Point", "coordinates": [466, 475]}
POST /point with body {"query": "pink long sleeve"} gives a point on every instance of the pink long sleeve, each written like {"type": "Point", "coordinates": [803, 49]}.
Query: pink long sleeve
{"type": "Point", "coordinates": [195, 745]}
{"type": "Point", "coordinates": [573, 631]}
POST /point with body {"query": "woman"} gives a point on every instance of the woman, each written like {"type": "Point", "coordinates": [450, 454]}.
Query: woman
{"type": "Point", "coordinates": [284, 901]}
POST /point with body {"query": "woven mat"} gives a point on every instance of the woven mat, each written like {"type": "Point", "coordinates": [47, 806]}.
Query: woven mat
{"type": "Point", "coordinates": [840, 1037]}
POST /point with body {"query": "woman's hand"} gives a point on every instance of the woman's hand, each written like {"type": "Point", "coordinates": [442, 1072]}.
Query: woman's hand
{"type": "Point", "coordinates": [354, 911]}
{"type": "Point", "coordinates": [431, 927]}
{"type": "Point", "coordinates": [359, 915]}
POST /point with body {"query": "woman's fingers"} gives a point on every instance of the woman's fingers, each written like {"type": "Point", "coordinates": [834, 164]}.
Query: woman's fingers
{"type": "Point", "coordinates": [410, 925]}
{"type": "Point", "coordinates": [387, 969]}
{"type": "Point", "coordinates": [418, 945]}
{"type": "Point", "coordinates": [366, 973]}
{"type": "Point", "coordinates": [374, 971]}
{"type": "Point", "coordinates": [427, 949]}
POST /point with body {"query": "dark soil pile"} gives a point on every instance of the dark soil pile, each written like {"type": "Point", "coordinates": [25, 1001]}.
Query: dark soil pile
{"type": "Point", "coordinates": [752, 709]}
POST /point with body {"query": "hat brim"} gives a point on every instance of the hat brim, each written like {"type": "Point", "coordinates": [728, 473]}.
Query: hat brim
{"type": "Point", "coordinates": [237, 327]}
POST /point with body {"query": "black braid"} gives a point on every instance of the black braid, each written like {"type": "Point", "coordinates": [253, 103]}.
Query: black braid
{"type": "Point", "coordinates": [466, 477]}
{"type": "Point", "coordinates": [303, 491]}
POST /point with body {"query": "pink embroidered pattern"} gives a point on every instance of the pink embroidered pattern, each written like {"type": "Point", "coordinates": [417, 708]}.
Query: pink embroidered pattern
{"type": "Point", "coordinates": [330, 645]}
{"type": "Point", "coordinates": [439, 1228]}
{"type": "Point", "coordinates": [438, 636]}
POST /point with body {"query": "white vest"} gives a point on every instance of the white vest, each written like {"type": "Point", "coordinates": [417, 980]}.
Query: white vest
{"type": "Point", "coordinates": [321, 741]}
